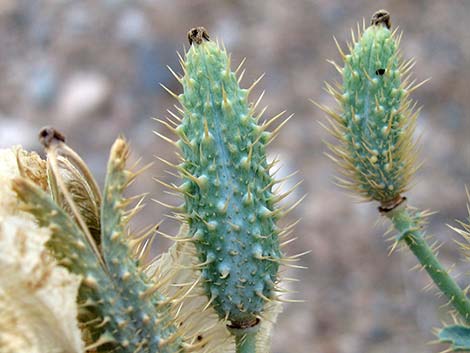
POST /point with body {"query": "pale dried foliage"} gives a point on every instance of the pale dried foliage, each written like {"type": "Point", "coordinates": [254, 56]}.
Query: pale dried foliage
{"type": "Point", "coordinates": [37, 297]}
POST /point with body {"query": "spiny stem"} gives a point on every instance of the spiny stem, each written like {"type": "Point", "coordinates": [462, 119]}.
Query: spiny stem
{"type": "Point", "coordinates": [245, 338]}
{"type": "Point", "coordinates": [408, 227]}
{"type": "Point", "coordinates": [246, 343]}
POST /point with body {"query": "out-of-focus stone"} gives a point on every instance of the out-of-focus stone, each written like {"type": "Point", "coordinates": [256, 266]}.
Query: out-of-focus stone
{"type": "Point", "coordinates": [149, 65]}
{"type": "Point", "coordinates": [84, 95]}
{"type": "Point", "coordinates": [132, 27]}
{"type": "Point", "coordinates": [42, 86]}
{"type": "Point", "coordinates": [7, 7]}
{"type": "Point", "coordinates": [77, 19]}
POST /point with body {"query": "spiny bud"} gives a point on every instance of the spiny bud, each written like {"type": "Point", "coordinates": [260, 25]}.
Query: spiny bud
{"type": "Point", "coordinates": [229, 205]}
{"type": "Point", "coordinates": [239, 245]}
{"type": "Point", "coordinates": [374, 129]}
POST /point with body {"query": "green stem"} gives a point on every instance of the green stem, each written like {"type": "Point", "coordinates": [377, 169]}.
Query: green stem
{"type": "Point", "coordinates": [407, 224]}
{"type": "Point", "coordinates": [246, 343]}
{"type": "Point", "coordinates": [245, 338]}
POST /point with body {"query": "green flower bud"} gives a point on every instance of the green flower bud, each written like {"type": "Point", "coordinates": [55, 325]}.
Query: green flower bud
{"type": "Point", "coordinates": [229, 204]}
{"type": "Point", "coordinates": [374, 128]}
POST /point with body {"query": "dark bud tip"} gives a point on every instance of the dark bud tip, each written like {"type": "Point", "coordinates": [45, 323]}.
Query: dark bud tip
{"type": "Point", "coordinates": [387, 206]}
{"type": "Point", "coordinates": [49, 135]}
{"type": "Point", "coordinates": [197, 35]}
{"type": "Point", "coordinates": [381, 17]}
{"type": "Point", "coordinates": [251, 324]}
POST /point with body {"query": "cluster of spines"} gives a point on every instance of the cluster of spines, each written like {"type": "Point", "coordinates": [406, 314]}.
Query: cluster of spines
{"type": "Point", "coordinates": [463, 229]}
{"type": "Point", "coordinates": [376, 151]}
{"type": "Point", "coordinates": [457, 334]}
{"type": "Point", "coordinates": [124, 310]}
{"type": "Point", "coordinates": [227, 186]}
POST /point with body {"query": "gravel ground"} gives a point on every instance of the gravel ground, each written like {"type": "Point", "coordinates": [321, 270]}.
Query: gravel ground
{"type": "Point", "coordinates": [92, 69]}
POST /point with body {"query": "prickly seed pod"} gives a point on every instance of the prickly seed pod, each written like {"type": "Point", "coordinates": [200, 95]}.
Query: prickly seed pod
{"type": "Point", "coordinates": [122, 309]}
{"type": "Point", "coordinates": [374, 127]}
{"type": "Point", "coordinates": [227, 187]}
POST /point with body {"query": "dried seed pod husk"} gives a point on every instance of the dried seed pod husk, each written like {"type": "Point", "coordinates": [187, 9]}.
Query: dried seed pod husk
{"type": "Point", "coordinates": [37, 296]}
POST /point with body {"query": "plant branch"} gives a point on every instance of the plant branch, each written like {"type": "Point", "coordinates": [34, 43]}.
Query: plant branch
{"type": "Point", "coordinates": [245, 338]}
{"type": "Point", "coordinates": [408, 225]}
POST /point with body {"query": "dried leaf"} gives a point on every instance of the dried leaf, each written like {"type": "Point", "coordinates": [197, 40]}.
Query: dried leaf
{"type": "Point", "coordinates": [37, 297]}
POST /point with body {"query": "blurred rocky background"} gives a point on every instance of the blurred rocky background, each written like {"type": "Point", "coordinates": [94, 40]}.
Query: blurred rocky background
{"type": "Point", "coordinates": [92, 69]}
